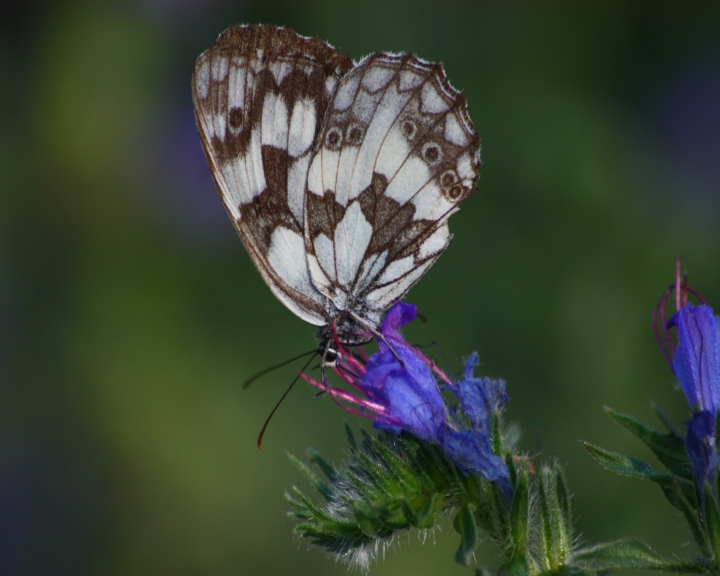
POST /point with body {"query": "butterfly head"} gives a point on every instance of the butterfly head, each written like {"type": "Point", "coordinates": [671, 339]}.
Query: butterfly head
{"type": "Point", "coordinates": [330, 355]}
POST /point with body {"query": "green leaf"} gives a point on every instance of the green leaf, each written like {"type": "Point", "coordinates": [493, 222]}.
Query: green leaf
{"type": "Point", "coordinates": [350, 437]}
{"type": "Point", "coordinates": [496, 435]}
{"type": "Point", "coordinates": [465, 525]}
{"type": "Point", "coordinates": [321, 463]}
{"type": "Point", "coordinates": [563, 500]}
{"type": "Point", "coordinates": [311, 477]}
{"type": "Point", "coordinates": [628, 554]}
{"type": "Point", "coordinates": [512, 469]}
{"type": "Point", "coordinates": [423, 517]}
{"type": "Point", "coordinates": [517, 567]}
{"type": "Point", "coordinates": [555, 542]}
{"type": "Point", "coordinates": [668, 448]}
{"type": "Point", "coordinates": [371, 522]}
{"type": "Point", "coordinates": [546, 528]}
{"type": "Point", "coordinates": [626, 465]}
{"type": "Point", "coordinates": [388, 483]}
{"type": "Point", "coordinates": [519, 515]}
{"type": "Point", "coordinates": [678, 498]}
{"type": "Point", "coordinates": [666, 421]}
{"type": "Point", "coordinates": [679, 491]}
{"type": "Point", "coordinates": [712, 522]}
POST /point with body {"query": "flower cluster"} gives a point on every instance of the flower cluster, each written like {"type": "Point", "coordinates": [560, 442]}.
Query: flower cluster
{"type": "Point", "coordinates": [398, 389]}
{"type": "Point", "coordinates": [440, 450]}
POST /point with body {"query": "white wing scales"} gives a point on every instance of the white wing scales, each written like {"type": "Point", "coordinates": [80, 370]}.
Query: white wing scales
{"type": "Point", "coordinates": [260, 94]}
{"type": "Point", "coordinates": [396, 154]}
{"type": "Point", "coordinates": [338, 178]}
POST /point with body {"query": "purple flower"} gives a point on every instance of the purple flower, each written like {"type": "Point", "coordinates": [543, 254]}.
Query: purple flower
{"type": "Point", "coordinates": [469, 447]}
{"type": "Point", "coordinates": [398, 389]}
{"type": "Point", "coordinates": [697, 358]}
{"type": "Point", "coordinates": [700, 447]}
{"type": "Point", "coordinates": [401, 380]}
{"type": "Point", "coordinates": [697, 367]}
{"type": "Point", "coordinates": [695, 361]}
{"type": "Point", "coordinates": [480, 397]}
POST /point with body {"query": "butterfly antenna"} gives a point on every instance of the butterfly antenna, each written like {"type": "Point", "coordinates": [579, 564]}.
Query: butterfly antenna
{"type": "Point", "coordinates": [262, 432]}
{"type": "Point", "coordinates": [264, 371]}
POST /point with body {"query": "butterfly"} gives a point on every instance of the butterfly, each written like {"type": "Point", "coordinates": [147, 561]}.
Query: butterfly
{"type": "Point", "coordinates": [339, 177]}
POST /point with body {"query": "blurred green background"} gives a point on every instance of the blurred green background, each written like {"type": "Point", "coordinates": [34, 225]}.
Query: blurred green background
{"type": "Point", "coordinates": [130, 312]}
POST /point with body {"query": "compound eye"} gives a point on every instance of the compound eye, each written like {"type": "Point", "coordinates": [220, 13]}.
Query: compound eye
{"type": "Point", "coordinates": [330, 357]}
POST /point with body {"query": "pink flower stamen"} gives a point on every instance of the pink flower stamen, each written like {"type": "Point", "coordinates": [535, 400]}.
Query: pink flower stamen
{"type": "Point", "coordinates": [659, 320]}
{"type": "Point", "coordinates": [429, 363]}
{"type": "Point", "coordinates": [368, 409]}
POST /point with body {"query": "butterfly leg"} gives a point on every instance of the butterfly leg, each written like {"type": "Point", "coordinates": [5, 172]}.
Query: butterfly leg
{"type": "Point", "coordinates": [377, 334]}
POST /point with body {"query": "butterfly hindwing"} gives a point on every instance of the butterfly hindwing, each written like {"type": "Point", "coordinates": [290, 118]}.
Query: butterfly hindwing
{"type": "Point", "coordinates": [339, 178]}
{"type": "Point", "coordinates": [396, 154]}
{"type": "Point", "coordinates": [260, 95]}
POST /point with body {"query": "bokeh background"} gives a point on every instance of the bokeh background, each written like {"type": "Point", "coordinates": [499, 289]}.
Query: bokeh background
{"type": "Point", "coordinates": [130, 312]}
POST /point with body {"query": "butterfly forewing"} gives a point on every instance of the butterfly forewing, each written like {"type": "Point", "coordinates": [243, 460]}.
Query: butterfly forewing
{"type": "Point", "coordinates": [395, 155]}
{"type": "Point", "coordinates": [338, 178]}
{"type": "Point", "coordinates": [260, 95]}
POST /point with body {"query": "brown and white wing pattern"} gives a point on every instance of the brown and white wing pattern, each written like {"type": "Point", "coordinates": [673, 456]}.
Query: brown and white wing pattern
{"type": "Point", "coordinates": [260, 95]}
{"type": "Point", "coordinates": [396, 154]}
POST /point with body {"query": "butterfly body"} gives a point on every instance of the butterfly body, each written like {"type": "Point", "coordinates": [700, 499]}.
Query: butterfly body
{"type": "Point", "coordinates": [338, 177]}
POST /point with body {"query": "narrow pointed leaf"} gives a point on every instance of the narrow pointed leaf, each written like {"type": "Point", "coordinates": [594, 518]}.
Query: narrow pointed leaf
{"type": "Point", "coordinates": [512, 469]}
{"type": "Point", "coordinates": [547, 550]}
{"type": "Point", "coordinates": [563, 499]}
{"type": "Point", "coordinates": [626, 465]}
{"type": "Point", "coordinates": [678, 499]}
{"type": "Point", "coordinates": [555, 537]}
{"type": "Point", "coordinates": [465, 525]}
{"type": "Point", "coordinates": [519, 514]}
{"type": "Point", "coordinates": [350, 438]}
{"type": "Point", "coordinates": [672, 429]}
{"type": "Point", "coordinates": [668, 448]}
{"type": "Point", "coordinates": [321, 463]}
{"type": "Point", "coordinates": [311, 477]}
{"type": "Point", "coordinates": [627, 554]}
{"type": "Point", "coordinates": [712, 522]}
{"type": "Point", "coordinates": [496, 435]}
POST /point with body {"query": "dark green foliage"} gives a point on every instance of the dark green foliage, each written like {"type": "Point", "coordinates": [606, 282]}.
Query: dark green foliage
{"type": "Point", "coordinates": [389, 484]}
{"type": "Point", "coordinates": [394, 483]}
{"type": "Point", "coordinates": [677, 484]}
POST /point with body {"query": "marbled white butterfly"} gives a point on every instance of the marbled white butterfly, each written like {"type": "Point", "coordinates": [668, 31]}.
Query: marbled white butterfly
{"type": "Point", "coordinates": [339, 177]}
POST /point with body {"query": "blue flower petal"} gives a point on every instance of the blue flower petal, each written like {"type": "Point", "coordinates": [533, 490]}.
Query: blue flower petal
{"type": "Point", "coordinates": [469, 372]}
{"type": "Point", "coordinates": [400, 314]}
{"type": "Point", "coordinates": [700, 447]}
{"type": "Point", "coordinates": [479, 397]}
{"type": "Point", "coordinates": [471, 452]}
{"type": "Point", "coordinates": [408, 391]}
{"type": "Point", "coordinates": [697, 359]}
